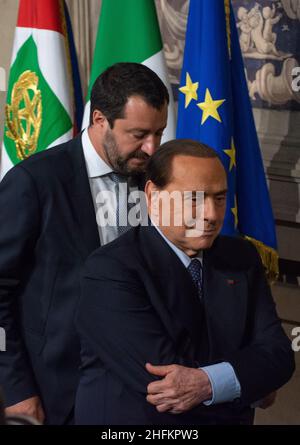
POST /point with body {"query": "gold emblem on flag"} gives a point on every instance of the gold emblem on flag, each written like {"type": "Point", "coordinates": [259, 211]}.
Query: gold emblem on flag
{"type": "Point", "coordinates": [24, 114]}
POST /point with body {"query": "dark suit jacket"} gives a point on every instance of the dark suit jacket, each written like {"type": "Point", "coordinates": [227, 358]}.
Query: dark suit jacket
{"type": "Point", "coordinates": [139, 305]}
{"type": "Point", "coordinates": [47, 229]}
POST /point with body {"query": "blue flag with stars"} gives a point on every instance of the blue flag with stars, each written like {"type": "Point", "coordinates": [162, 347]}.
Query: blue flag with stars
{"type": "Point", "coordinates": [214, 108]}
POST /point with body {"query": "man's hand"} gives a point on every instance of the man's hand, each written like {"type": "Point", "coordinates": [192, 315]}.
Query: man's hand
{"type": "Point", "coordinates": [29, 407]}
{"type": "Point", "coordinates": [180, 388]}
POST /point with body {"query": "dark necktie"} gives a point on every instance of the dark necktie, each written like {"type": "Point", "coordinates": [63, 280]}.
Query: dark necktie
{"type": "Point", "coordinates": [121, 211]}
{"type": "Point", "coordinates": [195, 269]}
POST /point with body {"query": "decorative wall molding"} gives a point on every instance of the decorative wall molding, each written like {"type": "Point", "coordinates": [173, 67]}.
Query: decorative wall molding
{"type": "Point", "coordinates": [279, 136]}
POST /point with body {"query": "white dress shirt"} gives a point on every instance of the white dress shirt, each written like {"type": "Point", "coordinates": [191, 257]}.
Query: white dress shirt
{"type": "Point", "coordinates": [102, 188]}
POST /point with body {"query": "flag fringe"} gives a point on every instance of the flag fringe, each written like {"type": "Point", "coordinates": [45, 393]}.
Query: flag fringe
{"type": "Point", "coordinates": [269, 258]}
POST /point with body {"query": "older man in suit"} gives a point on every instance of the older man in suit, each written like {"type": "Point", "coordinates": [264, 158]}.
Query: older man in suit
{"type": "Point", "coordinates": [178, 326]}
{"type": "Point", "coordinates": [48, 209]}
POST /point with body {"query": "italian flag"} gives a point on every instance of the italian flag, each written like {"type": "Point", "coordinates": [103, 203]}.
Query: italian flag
{"type": "Point", "coordinates": [128, 31]}
{"type": "Point", "coordinates": [40, 108]}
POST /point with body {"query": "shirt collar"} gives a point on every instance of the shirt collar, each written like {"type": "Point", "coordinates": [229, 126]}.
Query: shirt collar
{"type": "Point", "coordinates": [185, 259]}
{"type": "Point", "coordinates": [94, 163]}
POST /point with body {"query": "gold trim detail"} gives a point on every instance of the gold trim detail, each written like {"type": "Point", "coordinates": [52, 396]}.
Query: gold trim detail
{"type": "Point", "coordinates": [23, 116]}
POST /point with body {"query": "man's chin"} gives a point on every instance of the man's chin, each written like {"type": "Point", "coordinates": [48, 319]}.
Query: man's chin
{"type": "Point", "coordinates": [136, 166]}
{"type": "Point", "coordinates": [202, 243]}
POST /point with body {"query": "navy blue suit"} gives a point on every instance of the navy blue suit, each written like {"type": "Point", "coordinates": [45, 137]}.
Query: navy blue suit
{"type": "Point", "coordinates": [47, 229]}
{"type": "Point", "coordinates": [139, 305]}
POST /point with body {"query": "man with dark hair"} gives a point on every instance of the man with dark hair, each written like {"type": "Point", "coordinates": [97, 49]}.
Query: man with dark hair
{"type": "Point", "coordinates": [135, 91]}
{"type": "Point", "coordinates": [113, 88]}
{"type": "Point", "coordinates": [48, 227]}
{"type": "Point", "coordinates": [177, 323]}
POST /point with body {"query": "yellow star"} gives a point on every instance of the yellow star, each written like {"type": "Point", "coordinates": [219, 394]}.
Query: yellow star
{"type": "Point", "coordinates": [190, 90]}
{"type": "Point", "coordinates": [235, 213]}
{"type": "Point", "coordinates": [231, 153]}
{"type": "Point", "coordinates": [210, 107]}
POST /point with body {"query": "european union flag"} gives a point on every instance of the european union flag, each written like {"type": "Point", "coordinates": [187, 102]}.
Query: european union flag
{"type": "Point", "coordinates": [214, 108]}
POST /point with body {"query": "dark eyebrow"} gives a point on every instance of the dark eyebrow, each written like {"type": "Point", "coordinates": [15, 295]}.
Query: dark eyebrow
{"type": "Point", "coordinates": [141, 130]}
{"type": "Point", "coordinates": [222, 192]}
{"type": "Point", "coordinates": [144, 130]}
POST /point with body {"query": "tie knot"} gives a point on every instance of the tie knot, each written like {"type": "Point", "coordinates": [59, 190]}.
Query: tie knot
{"type": "Point", "coordinates": [117, 178]}
{"type": "Point", "coordinates": [195, 269]}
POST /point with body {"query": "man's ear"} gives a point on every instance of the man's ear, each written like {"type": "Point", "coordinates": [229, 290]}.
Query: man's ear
{"type": "Point", "coordinates": [151, 191]}
{"type": "Point", "coordinates": [99, 119]}
{"type": "Point", "coordinates": [149, 188]}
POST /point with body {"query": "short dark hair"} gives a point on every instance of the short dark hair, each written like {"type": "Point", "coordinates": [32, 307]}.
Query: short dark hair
{"type": "Point", "coordinates": [117, 83]}
{"type": "Point", "coordinates": [159, 167]}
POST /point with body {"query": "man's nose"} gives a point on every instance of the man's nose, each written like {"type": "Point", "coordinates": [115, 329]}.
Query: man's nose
{"type": "Point", "coordinates": [150, 145]}
{"type": "Point", "coordinates": [210, 211]}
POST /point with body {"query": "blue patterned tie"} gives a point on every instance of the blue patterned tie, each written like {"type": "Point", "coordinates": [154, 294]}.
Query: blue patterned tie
{"type": "Point", "coordinates": [195, 269]}
{"type": "Point", "coordinates": [121, 213]}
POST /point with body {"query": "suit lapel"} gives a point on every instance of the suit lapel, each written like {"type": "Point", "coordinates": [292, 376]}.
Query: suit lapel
{"type": "Point", "coordinates": [225, 292]}
{"type": "Point", "coordinates": [173, 282]}
{"type": "Point", "coordinates": [78, 189]}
